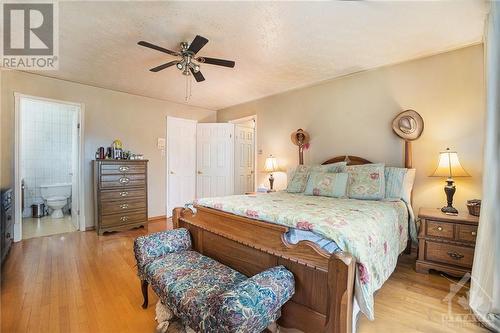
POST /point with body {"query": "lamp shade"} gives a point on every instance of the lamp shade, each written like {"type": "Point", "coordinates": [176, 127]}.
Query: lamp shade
{"type": "Point", "coordinates": [271, 164]}
{"type": "Point", "coordinates": [449, 165]}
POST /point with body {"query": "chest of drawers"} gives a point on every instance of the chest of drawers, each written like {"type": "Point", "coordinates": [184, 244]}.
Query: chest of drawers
{"type": "Point", "coordinates": [446, 243]}
{"type": "Point", "coordinates": [120, 194]}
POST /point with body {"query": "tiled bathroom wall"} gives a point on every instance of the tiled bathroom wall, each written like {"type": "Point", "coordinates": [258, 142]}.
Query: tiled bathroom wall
{"type": "Point", "coordinates": [47, 140]}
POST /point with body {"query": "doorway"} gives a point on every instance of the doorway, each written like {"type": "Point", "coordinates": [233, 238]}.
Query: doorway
{"type": "Point", "coordinates": [245, 154]}
{"type": "Point", "coordinates": [48, 177]}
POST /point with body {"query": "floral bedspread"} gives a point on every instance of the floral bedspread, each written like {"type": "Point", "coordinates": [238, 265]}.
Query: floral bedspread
{"type": "Point", "coordinates": [374, 232]}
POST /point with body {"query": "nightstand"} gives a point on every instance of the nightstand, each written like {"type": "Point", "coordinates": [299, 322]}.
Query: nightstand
{"type": "Point", "coordinates": [446, 243]}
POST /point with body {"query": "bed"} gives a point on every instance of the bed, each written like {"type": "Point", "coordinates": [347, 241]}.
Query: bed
{"type": "Point", "coordinates": [250, 241]}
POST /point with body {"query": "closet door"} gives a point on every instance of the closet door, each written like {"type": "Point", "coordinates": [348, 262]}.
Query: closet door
{"type": "Point", "coordinates": [215, 160]}
{"type": "Point", "coordinates": [181, 162]}
{"type": "Point", "coordinates": [244, 159]}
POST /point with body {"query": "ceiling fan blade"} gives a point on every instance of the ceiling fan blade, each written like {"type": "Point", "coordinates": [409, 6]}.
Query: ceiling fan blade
{"type": "Point", "coordinates": [197, 75]}
{"type": "Point", "coordinates": [166, 65]}
{"type": "Point", "coordinates": [197, 43]}
{"type": "Point", "coordinates": [215, 61]}
{"type": "Point", "coordinates": [158, 48]}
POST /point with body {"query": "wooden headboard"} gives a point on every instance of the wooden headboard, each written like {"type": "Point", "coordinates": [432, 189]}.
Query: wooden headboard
{"type": "Point", "coordinates": [356, 160]}
{"type": "Point", "coordinates": [350, 159]}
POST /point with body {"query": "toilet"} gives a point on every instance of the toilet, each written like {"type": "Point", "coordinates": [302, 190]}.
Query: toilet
{"type": "Point", "coordinates": [56, 196]}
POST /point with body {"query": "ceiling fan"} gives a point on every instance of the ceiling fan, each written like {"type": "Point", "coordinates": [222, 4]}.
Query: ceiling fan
{"type": "Point", "coordinates": [189, 63]}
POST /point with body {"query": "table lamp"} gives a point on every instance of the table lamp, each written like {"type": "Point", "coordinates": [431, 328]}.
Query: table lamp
{"type": "Point", "coordinates": [271, 166]}
{"type": "Point", "coordinates": [449, 166]}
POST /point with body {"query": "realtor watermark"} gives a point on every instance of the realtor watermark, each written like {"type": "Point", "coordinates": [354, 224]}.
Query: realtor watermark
{"type": "Point", "coordinates": [459, 294]}
{"type": "Point", "coordinates": [30, 38]}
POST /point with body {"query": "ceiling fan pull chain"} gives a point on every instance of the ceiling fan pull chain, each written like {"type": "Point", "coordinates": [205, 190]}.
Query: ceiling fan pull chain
{"type": "Point", "coordinates": [188, 88]}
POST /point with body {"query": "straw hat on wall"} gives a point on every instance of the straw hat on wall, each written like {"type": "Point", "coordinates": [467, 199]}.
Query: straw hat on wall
{"type": "Point", "coordinates": [408, 125]}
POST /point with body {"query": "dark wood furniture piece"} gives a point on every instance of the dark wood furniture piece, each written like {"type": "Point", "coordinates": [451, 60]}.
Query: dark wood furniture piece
{"type": "Point", "coordinates": [324, 283]}
{"type": "Point", "coordinates": [6, 222]}
{"type": "Point", "coordinates": [120, 194]}
{"type": "Point", "coordinates": [446, 243]}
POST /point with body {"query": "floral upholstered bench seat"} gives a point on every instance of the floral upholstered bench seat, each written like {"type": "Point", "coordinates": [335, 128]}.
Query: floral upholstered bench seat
{"type": "Point", "coordinates": [206, 295]}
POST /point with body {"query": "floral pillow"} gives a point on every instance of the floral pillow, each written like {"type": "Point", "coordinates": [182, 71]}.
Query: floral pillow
{"type": "Point", "coordinates": [298, 181]}
{"type": "Point", "coordinates": [366, 182]}
{"type": "Point", "coordinates": [399, 183]}
{"type": "Point", "coordinates": [334, 167]}
{"type": "Point", "coordinates": [327, 184]}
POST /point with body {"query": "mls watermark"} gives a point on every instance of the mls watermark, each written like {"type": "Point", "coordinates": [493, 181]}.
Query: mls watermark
{"type": "Point", "coordinates": [30, 35]}
{"type": "Point", "coordinates": [466, 317]}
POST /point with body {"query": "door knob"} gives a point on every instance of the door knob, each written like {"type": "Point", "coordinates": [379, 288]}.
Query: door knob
{"type": "Point", "coordinates": [171, 172]}
{"type": "Point", "coordinates": [199, 172]}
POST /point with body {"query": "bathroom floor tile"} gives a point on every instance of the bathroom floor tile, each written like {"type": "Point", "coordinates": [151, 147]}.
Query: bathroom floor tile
{"type": "Point", "coordinates": [37, 227]}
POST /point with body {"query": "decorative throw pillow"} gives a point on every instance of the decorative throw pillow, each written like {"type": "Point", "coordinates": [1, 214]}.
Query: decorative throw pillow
{"type": "Point", "coordinates": [366, 181]}
{"type": "Point", "coordinates": [334, 167]}
{"type": "Point", "coordinates": [327, 184]}
{"type": "Point", "coordinates": [399, 183]}
{"type": "Point", "coordinates": [298, 182]}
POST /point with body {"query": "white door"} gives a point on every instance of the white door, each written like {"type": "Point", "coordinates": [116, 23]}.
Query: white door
{"type": "Point", "coordinates": [215, 160]}
{"type": "Point", "coordinates": [181, 162]}
{"type": "Point", "coordinates": [244, 157]}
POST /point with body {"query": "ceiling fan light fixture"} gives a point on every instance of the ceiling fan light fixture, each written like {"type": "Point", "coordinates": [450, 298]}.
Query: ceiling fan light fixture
{"type": "Point", "coordinates": [188, 63]}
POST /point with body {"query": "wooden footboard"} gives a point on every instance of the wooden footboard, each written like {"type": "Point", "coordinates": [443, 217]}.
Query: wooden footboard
{"type": "Point", "coordinates": [324, 283]}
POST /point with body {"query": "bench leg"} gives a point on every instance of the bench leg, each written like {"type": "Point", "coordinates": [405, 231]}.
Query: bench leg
{"type": "Point", "coordinates": [144, 287]}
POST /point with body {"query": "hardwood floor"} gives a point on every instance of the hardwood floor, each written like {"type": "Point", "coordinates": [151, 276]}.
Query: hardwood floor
{"type": "Point", "coordinates": [81, 282]}
{"type": "Point", "coordinates": [45, 226]}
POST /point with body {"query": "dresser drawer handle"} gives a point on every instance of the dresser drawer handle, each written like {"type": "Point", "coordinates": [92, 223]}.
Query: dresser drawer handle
{"type": "Point", "coordinates": [124, 168]}
{"type": "Point", "coordinates": [124, 218]}
{"type": "Point", "coordinates": [473, 233]}
{"type": "Point", "coordinates": [455, 255]}
{"type": "Point", "coordinates": [124, 180]}
{"type": "Point", "coordinates": [440, 228]}
{"type": "Point", "coordinates": [123, 194]}
{"type": "Point", "coordinates": [124, 206]}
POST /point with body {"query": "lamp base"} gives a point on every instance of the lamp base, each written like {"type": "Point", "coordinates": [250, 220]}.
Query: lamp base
{"type": "Point", "coordinates": [449, 189]}
{"type": "Point", "coordinates": [449, 210]}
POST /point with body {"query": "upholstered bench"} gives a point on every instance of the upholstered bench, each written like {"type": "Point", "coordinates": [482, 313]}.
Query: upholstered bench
{"type": "Point", "coordinates": [206, 295]}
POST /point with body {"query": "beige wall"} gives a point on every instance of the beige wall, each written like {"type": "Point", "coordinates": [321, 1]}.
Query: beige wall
{"type": "Point", "coordinates": [137, 121]}
{"type": "Point", "coordinates": [353, 115]}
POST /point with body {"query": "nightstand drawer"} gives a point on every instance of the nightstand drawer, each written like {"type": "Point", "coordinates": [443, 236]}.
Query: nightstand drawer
{"type": "Point", "coordinates": [439, 229]}
{"type": "Point", "coordinates": [450, 254]}
{"type": "Point", "coordinates": [466, 233]}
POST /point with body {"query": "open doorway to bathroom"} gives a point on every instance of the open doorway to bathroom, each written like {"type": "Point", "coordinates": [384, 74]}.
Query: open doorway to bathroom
{"type": "Point", "coordinates": [48, 177]}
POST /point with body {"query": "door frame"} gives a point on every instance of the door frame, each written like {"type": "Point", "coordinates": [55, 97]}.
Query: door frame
{"type": "Point", "coordinates": [168, 212]}
{"type": "Point", "coordinates": [244, 120]}
{"type": "Point", "coordinates": [18, 231]}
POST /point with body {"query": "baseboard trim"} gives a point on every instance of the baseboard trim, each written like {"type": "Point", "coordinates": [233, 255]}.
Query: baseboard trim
{"type": "Point", "coordinates": [157, 218]}
{"type": "Point", "coordinates": [90, 228]}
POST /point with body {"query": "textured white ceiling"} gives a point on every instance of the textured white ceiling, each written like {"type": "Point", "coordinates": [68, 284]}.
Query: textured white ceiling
{"type": "Point", "coordinates": [277, 46]}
